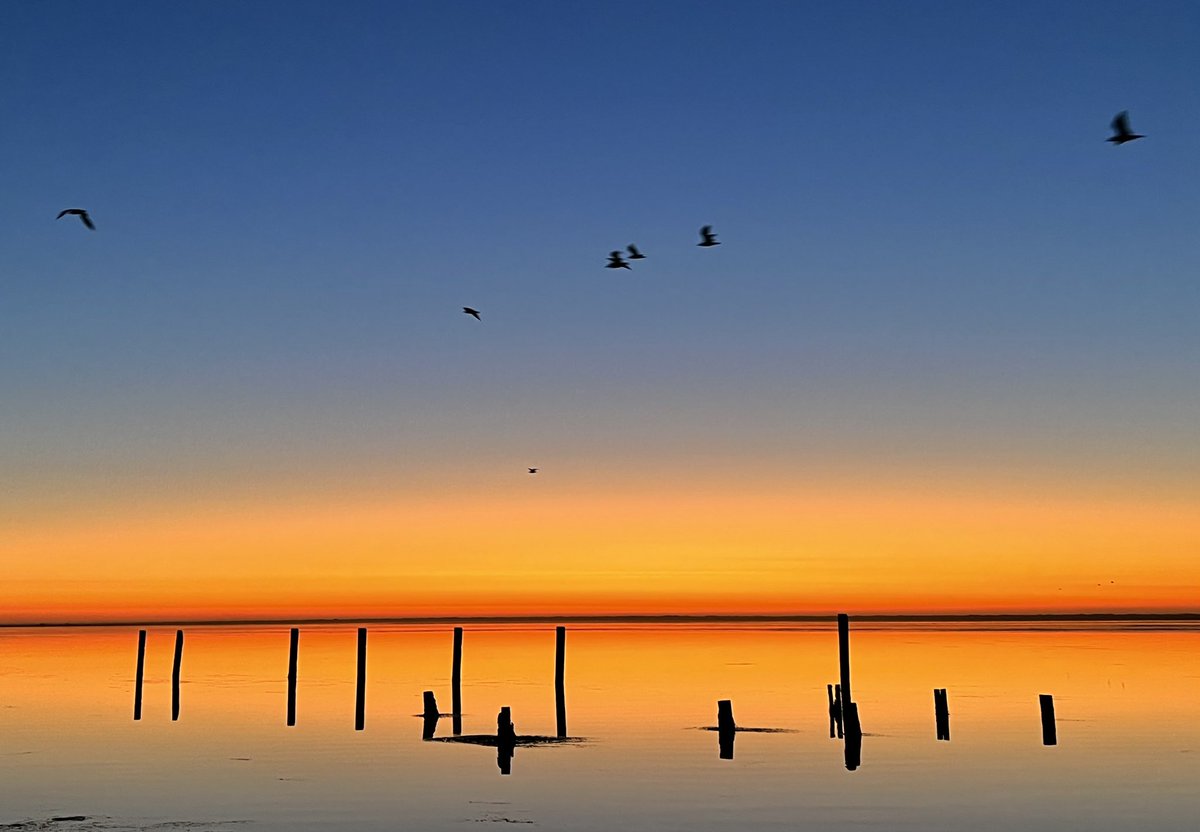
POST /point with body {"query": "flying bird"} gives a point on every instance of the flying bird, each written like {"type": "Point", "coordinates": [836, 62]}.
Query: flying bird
{"type": "Point", "coordinates": [709, 238]}
{"type": "Point", "coordinates": [472, 312]}
{"type": "Point", "coordinates": [533, 470]}
{"type": "Point", "coordinates": [1120, 126]}
{"type": "Point", "coordinates": [615, 261]}
{"type": "Point", "coordinates": [634, 254]}
{"type": "Point", "coordinates": [79, 212]}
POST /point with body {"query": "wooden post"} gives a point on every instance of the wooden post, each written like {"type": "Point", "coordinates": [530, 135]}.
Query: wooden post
{"type": "Point", "coordinates": [725, 715]}
{"type": "Point", "coordinates": [852, 726]}
{"type": "Point", "coordinates": [726, 729]}
{"type": "Point", "coordinates": [360, 699]}
{"type": "Point", "coordinates": [141, 672]}
{"type": "Point", "coordinates": [941, 712]}
{"type": "Point", "coordinates": [293, 655]}
{"type": "Point", "coordinates": [431, 716]}
{"type": "Point", "coordinates": [1049, 731]}
{"type": "Point", "coordinates": [837, 710]}
{"type": "Point", "coordinates": [456, 682]}
{"type": "Point", "coordinates": [560, 697]}
{"type": "Point", "coordinates": [844, 659]}
{"type": "Point", "coordinates": [175, 675]}
{"type": "Point", "coordinates": [506, 740]}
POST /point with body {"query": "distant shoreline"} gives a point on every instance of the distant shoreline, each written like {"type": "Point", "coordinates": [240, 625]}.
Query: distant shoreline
{"type": "Point", "coordinates": [981, 618]}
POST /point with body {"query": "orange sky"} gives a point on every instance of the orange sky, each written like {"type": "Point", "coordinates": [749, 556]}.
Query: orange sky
{"type": "Point", "coordinates": [608, 549]}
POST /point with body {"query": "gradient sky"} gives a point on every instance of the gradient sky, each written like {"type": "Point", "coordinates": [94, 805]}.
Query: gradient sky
{"type": "Point", "coordinates": [946, 358]}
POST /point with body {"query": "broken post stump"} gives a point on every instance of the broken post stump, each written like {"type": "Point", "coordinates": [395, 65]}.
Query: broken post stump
{"type": "Point", "coordinates": [941, 712]}
{"type": "Point", "coordinates": [726, 728]}
{"type": "Point", "coordinates": [1049, 730]}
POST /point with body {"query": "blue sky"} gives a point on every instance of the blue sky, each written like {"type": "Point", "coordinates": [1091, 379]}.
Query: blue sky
{"type": "Point", "coordinates": [930, 257]}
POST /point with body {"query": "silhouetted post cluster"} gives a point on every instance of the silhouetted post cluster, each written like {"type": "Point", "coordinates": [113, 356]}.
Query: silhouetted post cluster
{"type": "Point", "coordinates": [726, 728]}
{"type": "Point", "coordinates": [141, 672]}
{"type": "Point", "coordinates": [1049, 730]}
{"type": "Point", "coordinates": [941, 713]}
{"type": "Point", "coordinates": [293, 655]}
{"type": "Point", "coordinates": [560, 697]}
{"type": "Point", "coordinates": [834, 693]}
{"type": "Point", "coordinates": [456, 682]}
{"type": "Point", "coordinates": [175, 675]}
{"type": "Point", "coordinates": [360, 699]}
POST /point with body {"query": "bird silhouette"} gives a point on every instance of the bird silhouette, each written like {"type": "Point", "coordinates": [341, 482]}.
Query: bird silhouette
{"type": "Point", "coordinates": [634, 254]}
{"type": "Point", "coordinates": [533, 470]}
{"type": "Point", "coordinates": [473, 312]}
{"type": "Point", "coordinates": [79, 212]}
{"type": "Point", "coordinates": [1120, 126]}
{"type": "Point", "coordinates": [709, 238]}
{"type": "Point", "coordinates": [615, 261]}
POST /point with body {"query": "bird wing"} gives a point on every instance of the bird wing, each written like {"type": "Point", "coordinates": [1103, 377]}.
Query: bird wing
{"type": "Point", "coordinates": [63, 213]}
{"type": "Point", "coordinates": [633, 249]}
{"type": "Point", "coordinates": [706, 231]}
{"type": "Point", "coordinates": [1120, 123]}
{"type": "Point", "coordinates": [87, 220]}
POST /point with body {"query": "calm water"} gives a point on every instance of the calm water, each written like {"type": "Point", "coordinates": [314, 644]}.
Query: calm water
{"type": "Point", "coordinates": [1126, 699]}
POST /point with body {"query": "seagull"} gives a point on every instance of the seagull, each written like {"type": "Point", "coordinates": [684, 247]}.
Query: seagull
{"type": "Point", "coordinates": [472, 312]}
{"type": "Point", "coordinates": [1120, 126]}
{"type": "Point", "coordinates": [710, 239]}
{"type": "Point", "coordinates": [82, 214]}
{"type": "Point", "coordinates": [533, 470]}
{"type": "Point", "coordinates": [615, 261]}
{"type": "Point", "coordinates": [634, 254]}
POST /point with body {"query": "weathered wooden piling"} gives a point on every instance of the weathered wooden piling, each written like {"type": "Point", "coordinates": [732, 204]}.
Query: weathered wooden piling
{"type": "Point", "coordinates": [560, 696]}
{"type": "Point", "coordinates": [725, 715]}
{"type": "Point", "coordinates": [506, 740]}
{"type": "Point", "coordinates": [941, 713]}
{"type": "Point", "coordinates": [293, 655]}
{"type": "Point", "coordinates": [844, 657]}
{"type": "Point", "coordinates": [505, 731]}
{"type": "Point", "coordinates": [1049, 730]}
{"type": "Point", "coordinates": [726, 728]}
{"type": "Point", "coordinates": [431, 715]}
{"type": "Point", "coordinates": [175, 675]}
{"type": "Point", "coordinates": [141, 672]}
{"type": "Point", "coordinates": [852, 726]}
{"type": "Point", "coordinates": [456, 682]}
{"type": "Point", "coordinates": [360, 698]}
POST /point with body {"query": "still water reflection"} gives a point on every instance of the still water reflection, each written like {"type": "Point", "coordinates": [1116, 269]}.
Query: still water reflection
{"type": "Point", "coordinates": [1125, 701]}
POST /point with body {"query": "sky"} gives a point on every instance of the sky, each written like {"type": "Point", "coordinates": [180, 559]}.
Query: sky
{"type": "Point", "coordinates": [944, 360]}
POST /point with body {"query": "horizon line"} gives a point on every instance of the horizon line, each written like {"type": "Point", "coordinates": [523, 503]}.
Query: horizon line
{"type": "Point", "coordinates": [932, 618]}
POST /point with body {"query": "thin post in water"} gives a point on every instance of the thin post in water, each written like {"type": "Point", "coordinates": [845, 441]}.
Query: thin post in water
{"type": "Point", "coordinates": [360, 698]}
{"type": "Point", "coordinates": [844, 659]}
{"type": "Point", "coordinates": [293, 654]}
{"type": "Point", "coordinates": [560, 696]}
{"type": "Point", "coordinates": [456, 682]}
{"type": "Point", "coordinates": [1049, 731]}
{"type": "Point", "coordinates": [175, 675]}
{"type": "Point", "coordinates": [141, 672]}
